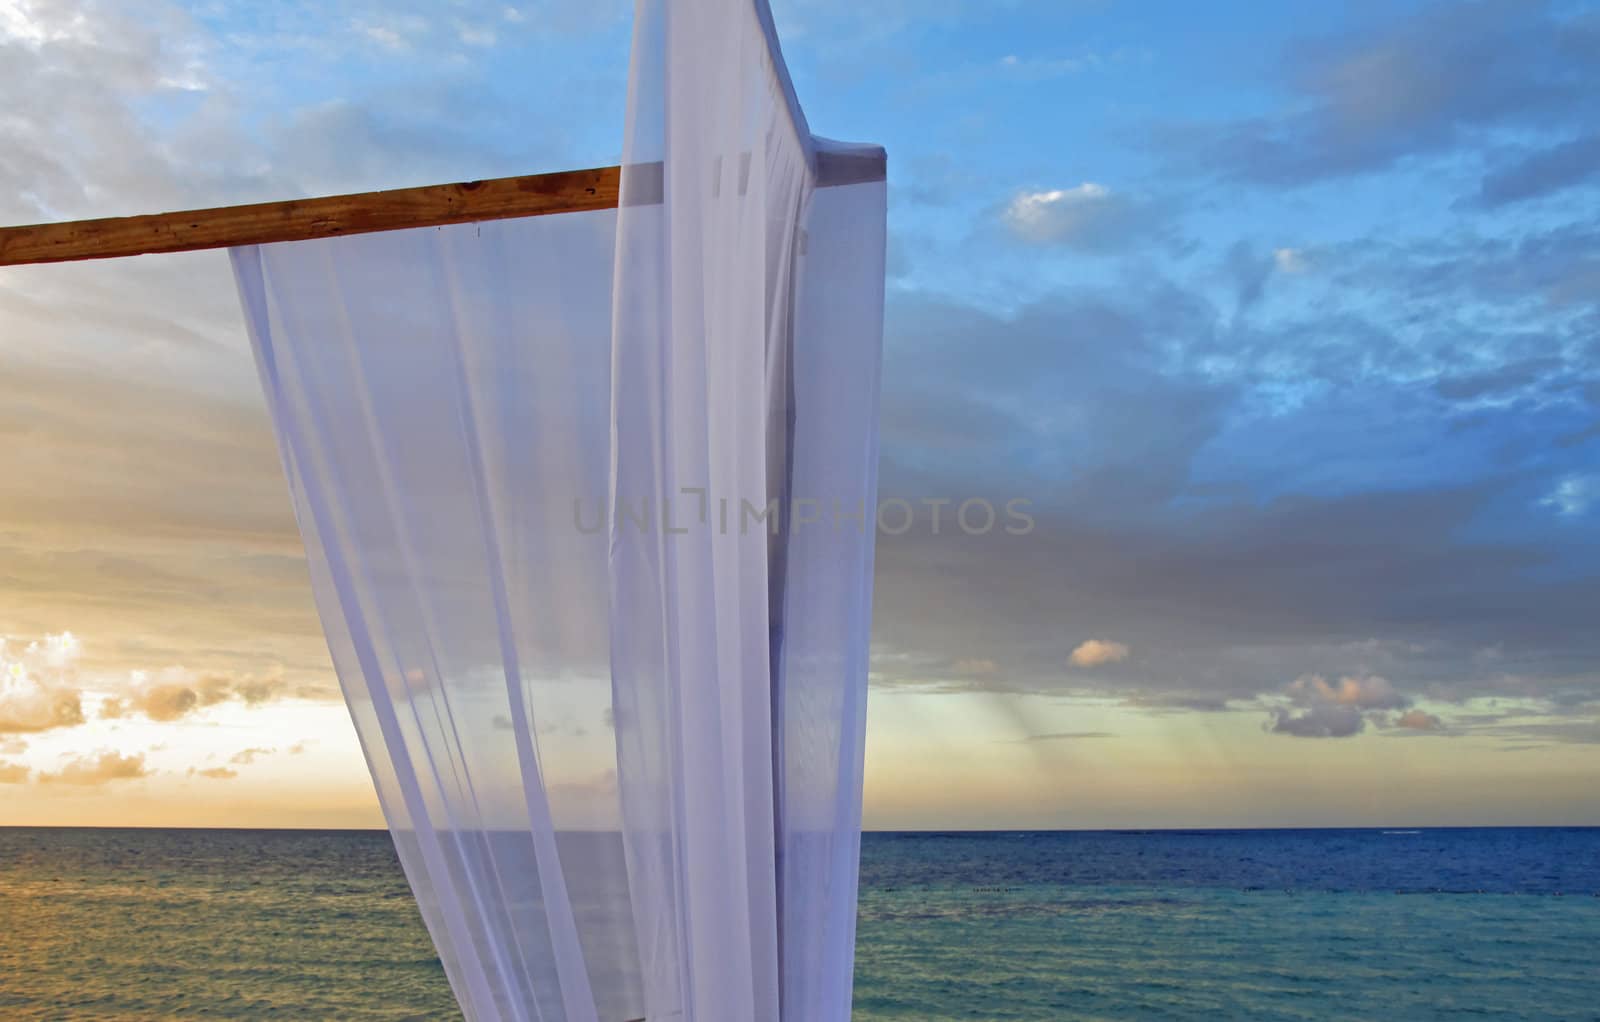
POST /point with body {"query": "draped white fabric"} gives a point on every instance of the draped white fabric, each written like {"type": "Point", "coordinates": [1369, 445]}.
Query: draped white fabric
{"type": "Point", "coordinates": [588, 505]}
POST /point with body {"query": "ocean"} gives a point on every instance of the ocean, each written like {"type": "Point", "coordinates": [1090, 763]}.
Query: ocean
{"type": "Point", "coordinates": [1291, 925]}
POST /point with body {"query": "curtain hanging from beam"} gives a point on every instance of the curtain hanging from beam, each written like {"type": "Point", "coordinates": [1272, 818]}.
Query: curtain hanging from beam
{"type": "Point", "coordinates": [588, 505]}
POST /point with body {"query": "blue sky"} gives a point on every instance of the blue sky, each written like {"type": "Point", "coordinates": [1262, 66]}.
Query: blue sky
{"type": "Point", "coordinates": [1285, 317]}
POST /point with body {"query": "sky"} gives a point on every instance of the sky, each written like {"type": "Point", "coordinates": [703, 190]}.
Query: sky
{"type": "Point", "coordinates": [1284, 318]}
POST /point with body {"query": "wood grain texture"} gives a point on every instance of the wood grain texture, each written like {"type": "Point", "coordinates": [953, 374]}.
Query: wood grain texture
{"type": "Point", "coordinates": [568, 191]}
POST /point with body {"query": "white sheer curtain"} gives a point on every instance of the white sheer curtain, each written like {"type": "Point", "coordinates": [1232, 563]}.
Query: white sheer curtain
{"type": "Point", "coordinates": [442, 399]}
{"type": "Point", "coordinates": [588, 505]}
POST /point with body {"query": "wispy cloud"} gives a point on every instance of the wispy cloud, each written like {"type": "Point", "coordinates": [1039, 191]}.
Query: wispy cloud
{"type": "Point", "coordinates": [43, 688]}
{"type": "Point", "coordinates": [101, 768]}
{"type": "Point", "coordinates": [1573, 495]}
{"type": "Point", "coordinates": [1087, 216]}
{"type": "Point", "coordinates": [1542, 172]}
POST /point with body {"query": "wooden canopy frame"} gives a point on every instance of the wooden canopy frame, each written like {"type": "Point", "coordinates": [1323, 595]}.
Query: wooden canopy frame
{"type": "Point", "coordinates": [566, 191]}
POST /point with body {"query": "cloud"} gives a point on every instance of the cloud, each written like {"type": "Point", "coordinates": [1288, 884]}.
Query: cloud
{"type": "Point", "coordinates": [38, 690]}
{"type": "Point", "coordinates": [253, 691]}
{"type": "Point", "coordinates": [101, 768]}
{"type": "Point", "coordinates": [1059, 736]}
{"type": "Point", "coordinates": [166, 702]}
{"type": "Point", "coordinates": [1098, 652]}
{"type": "Point", "coordinates": [1500, 382]}
{"type": "Point", "coordinates": [215, 773]}
{"type": "Point", "coordinates": [13, 773]}
{"type": "Point", "coordinates": [1336, 709]}
{"type": "Point", "coordinates": [244, 757]}
{"type": "Point", "coordinates": [1573, 496]}
{"type": "Point", "coordinates": [1583, 729]}
{"type": "Point", "coordinates": [1418, 720]}
{"type": "Point", "coordinates": [43, 687]}
{"type": "Point", "coordinates": [174, 694]}
{"type": "Point", "coordinates": [1324, 721]}
{"type": "Point", "coordinates": [1252, 269]}
{"type": "Point", "coordinates": [1038, 69]}
{"type": "Point", "coordinates": [174, 700]}
{"type": "Point", "coordinates": [1414, 85]}
{"type": "Point", "coordinates": [38, 708]}
{"type": "Point", "coordinates": [1178, 702]}
{"type": "Point", "coordinates": [1089, 217]}
{"type": "Point", "coordinates": [1543, 172]}
{"type": "Point", "coordinates": [978, 667]}
{"type": "Point", "coordinates": [1369, 692]}
{"type": "Point", "coordinates": [1290, 260]}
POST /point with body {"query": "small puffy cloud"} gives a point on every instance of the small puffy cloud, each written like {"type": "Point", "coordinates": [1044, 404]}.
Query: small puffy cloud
{"type": "Point", "coordinates": [1418, 720]}
{"type": "Point", "coordinates": [245, 757]}
{"type": "Point", "coordinates": [254, 691]}
{"type": "Point", "coordinates": [13, 773]}
{"type": "Point", "coordinates": [1066, 736]}
{"type": "Point", "coordinates": [1098, 652]}
{"type": "Point", "coordinates": [101, 768]}
{"type": "Point", "coordinates": [1088, 216]}
{"type": "Point", "coordinates": [1290, 260]}
{"type": "Point", "coordinates": [215, 773]}
{"type": "Point", "coordinates": [978, 667]}
{"type": "Point", "coordinates": [1333, 709]}
{"type": "Point", "coordinates": [299, 747]}
{"type": "Point", "coordinates": [166, 702]}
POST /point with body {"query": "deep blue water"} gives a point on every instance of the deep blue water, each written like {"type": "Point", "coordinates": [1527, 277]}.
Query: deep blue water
{"type": "Point", "coordinates": [1319, 924]}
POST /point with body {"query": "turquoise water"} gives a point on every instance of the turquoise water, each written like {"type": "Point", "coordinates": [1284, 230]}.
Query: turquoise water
{"type": "Point", "coordinates": [121, 924]}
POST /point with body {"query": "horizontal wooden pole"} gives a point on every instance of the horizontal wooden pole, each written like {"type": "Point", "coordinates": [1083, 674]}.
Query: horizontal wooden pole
{"type": "Point", "coordinates": [567, 191]}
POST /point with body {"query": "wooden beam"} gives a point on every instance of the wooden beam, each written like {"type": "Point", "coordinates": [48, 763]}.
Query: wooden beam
{"type": "Point", "coordinates": [568, 191]}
